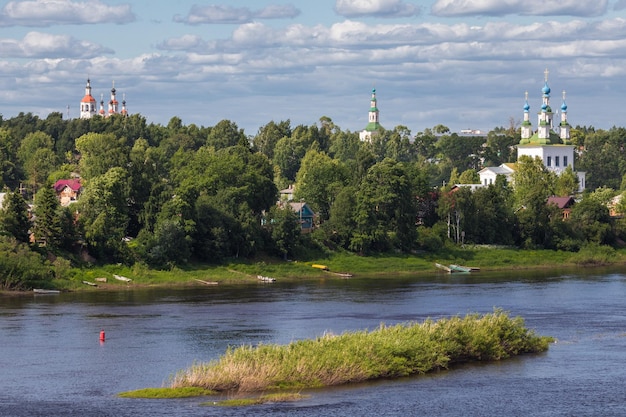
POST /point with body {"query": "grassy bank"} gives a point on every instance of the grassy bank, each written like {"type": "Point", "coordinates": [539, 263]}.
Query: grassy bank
{"type": "Point", "coordinates": [386, 352]}
{"type": "Point", "coordinates": [246, 271]}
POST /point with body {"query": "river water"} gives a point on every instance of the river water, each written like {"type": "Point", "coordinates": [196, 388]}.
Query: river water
{"type": "Point", "coordinates": [53, 364]}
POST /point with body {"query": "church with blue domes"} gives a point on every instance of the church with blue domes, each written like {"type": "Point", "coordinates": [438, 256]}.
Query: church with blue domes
{"type": "Point", "coordinates": [549, 141]}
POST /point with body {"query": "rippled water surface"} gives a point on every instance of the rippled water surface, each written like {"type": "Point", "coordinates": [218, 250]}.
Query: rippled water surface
{"type": "Point", "coordinates": [53, 364]}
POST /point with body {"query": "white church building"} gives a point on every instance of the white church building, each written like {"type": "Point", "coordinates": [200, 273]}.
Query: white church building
{"type": "Point", "coordinates": [549, 142]}
{"type": "Point", "coordinates": [88, 104]}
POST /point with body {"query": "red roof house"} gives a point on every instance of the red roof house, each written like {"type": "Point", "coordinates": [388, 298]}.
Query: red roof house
{"type": "Point", "coordinates": [68, 190]}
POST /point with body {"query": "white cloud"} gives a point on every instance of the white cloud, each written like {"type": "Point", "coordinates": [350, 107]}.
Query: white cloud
{"type": "Point", "coordinates": [235, 15]}
{"type": "Point", "coordinates": [277, 12]}
{"type": "Point", "coordinates": [42, 13]}
{"type": "Point", "coordinates": [582, 8]}
{"type": "Point", "coordinates": [358, 37]}
{"type": "Point", "coordinates": [45, 45]}
{"type": "Point", "coordinates": [183, 43]}
{"type": "Point", "coordinates": [378, 8]}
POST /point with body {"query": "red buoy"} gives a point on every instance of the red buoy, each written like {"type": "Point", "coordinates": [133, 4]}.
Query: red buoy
{"type": "Point", "coordinates": [102, 335]}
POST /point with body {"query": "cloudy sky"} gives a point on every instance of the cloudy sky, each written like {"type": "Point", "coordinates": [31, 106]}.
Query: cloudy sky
{"type": "Point", "coordinates": [461, 63]}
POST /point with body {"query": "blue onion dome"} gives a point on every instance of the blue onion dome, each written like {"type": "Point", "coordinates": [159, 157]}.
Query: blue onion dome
{"type": "Point", "coordinates": [526, 107]}
{"type": "Point", "coordinates": [544, 107]}
{"type": "Point", "coordinates": [546, 89]}
{"type": "Point", "coordinates": [563, 106]}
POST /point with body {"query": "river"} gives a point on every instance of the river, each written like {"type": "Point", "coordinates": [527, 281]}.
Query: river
{"type": "Point", "coordinates": [52, 362]}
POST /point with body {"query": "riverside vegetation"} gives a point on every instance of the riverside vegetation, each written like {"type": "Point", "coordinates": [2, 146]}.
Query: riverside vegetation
{"type": "Point", "coordinates": [386, 352]}
{"type": "Point", "coordinates": [167, 198]}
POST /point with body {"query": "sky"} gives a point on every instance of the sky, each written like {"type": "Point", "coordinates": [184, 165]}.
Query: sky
{"type": "Point", "coordinates": [466, 64]}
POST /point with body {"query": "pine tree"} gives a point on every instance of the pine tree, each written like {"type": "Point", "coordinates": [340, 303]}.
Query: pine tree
{"type": "Point", "coordinates": [47, 227]}
{"type": "Point", "coordinates": [15, 216]}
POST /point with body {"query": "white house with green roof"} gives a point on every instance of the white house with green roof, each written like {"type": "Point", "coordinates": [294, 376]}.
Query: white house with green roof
{"type": "Point", "coordinates": [373, 125]}
{"type": "Point", "coordinates": [550, 143]}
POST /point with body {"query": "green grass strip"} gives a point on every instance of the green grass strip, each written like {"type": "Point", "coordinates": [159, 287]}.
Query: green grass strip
{"type": "Point", "coordinates": [162, 393]}
{"type": "Point", "coordinates": [386, 352]}
{"type": "Point", "coordinates": [263, 399]}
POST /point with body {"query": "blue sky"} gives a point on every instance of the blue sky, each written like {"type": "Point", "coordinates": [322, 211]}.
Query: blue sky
{"type": "Point", "coordinates": [461, 63]}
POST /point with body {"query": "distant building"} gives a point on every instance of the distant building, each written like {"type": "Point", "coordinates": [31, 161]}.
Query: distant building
{"type": "Point", "coordinates": [473, 132]}
{"type": "Point", "coordinates": [550, 143]}
{"type": "Point", "coordinates": [373, 126]}
{"type": "Point", "coordinates": [88, 104]}
{"type": "Point", "coordinates": [68, 191]}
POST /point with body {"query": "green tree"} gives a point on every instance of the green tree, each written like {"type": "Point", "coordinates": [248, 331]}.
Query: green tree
{"type": "Point", "coordinates": [37, 156]}
{"type": "Point", "coordinates": [567, 183]}
{"type": "Point", "coordinates": [424, 143]}
{"type": "Point", "coordinates": [591, 219]}
{"type": "Point", "coordinates": [533, 182]}
{"type": "Point", "coordinates": [341, 223]}
{"type": "Point", "coordinates": [99, 153]}
{"type": "Point", "coordinates": [385, 212]}
{"type": "Point", "coordinates": [461, 152]}
{"type": "Point", "coordinates": [20, 268]}
{"type": "Point", "coordinates": [14, 216]}
{"type": "Point", "coordinates": [226, 134]}
{"type": "Point", "coordinates": [601, 160]}
{"type": "Point", "coordinates": [399, 146]}
{"type": "Point", "coordinates": [319, 180]}
{"type": "Point", "coordinates": [103, 211]}
{"type": "Point", "coordinates": [289, 151]}
{"type": "Point", "coordinates": [169, 246]}
{"type": "Point", "coordinates": [494, 219]}
{"type": "Point", "coordinates": [500, 147]}
{"type": "Point", "coordinates": [268, 136]}
{"type": "Point", "coordinates": [469, 176]}
{"type": "Point", "coordinates": [344, 146]}
{"type": "Point", "coordinates": [10, 167]}
{"type": "Point", "coordinates": [47, 227]}
{"type": "Point", "coordinates": [533, 185]}
{"type": "Point", "coordinates": [284, 229]}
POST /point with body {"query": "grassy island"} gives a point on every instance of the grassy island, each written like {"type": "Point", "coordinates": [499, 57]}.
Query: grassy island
{"type": "Point", "coordinates": [386, 352]}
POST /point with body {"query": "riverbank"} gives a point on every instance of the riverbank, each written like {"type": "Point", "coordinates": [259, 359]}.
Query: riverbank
{"type": "Point", "coordinates": [338, 266]}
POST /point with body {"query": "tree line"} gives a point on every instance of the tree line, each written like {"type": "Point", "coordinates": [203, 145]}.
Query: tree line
{"type": "Point", "coordinates": [165, 195]}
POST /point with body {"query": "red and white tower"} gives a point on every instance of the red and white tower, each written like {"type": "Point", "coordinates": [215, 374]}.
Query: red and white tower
{"type": "Point", "coordinates": [88, 103]}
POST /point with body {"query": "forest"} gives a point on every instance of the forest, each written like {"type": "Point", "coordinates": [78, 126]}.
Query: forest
{"type": "Point", "coordinates": [165, 196]}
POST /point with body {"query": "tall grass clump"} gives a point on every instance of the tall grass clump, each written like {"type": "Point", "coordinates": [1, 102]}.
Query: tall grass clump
{"type": "Point", "coordinates": [386, 352]}
{"type": "Point", "coordinates": [595, 254]}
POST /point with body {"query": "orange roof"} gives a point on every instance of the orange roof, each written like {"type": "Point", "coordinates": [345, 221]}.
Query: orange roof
{"type": "Point", "coordinates": [88, 99]}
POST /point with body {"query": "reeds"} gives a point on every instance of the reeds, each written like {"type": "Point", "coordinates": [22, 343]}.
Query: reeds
{"type": "Point", "coordinates": [386, 352]}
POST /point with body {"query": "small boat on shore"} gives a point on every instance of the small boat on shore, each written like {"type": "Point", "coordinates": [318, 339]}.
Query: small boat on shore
{"type": "Point", "coordinates": [121, 278]}
{"type": "Point", "coordinates": [101, 279]}
{"type": "Point", "coordinates": [206, 282]}
{"type": "Point", "coordinates": [265, 279]}
{"type": "Point", "coordinates": [452, 268]}
{"type": "Point", "coordinates": [91, 284]}
{"type": "Point", "coordinates": [322, 267]}
{"type": "Point", "coordinates": [340, 274]}
{"type": "Point", "coordinates": [445, 268]}
{"type": "Point", "coordinates": [43, 291]}
{"type": "Point", "coordinates": [460, 268]}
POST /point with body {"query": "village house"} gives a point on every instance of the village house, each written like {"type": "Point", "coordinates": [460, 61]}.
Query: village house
{"type": "Point", "coordinates": [68, 191]}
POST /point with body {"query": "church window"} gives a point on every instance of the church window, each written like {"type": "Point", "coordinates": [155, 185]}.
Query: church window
{"type": "Point", "coordinates": [549, 162]}
{"type": "Point", "coordinates": [565, 160]}
{"type": "Point", "coordinates": [556, 161]}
